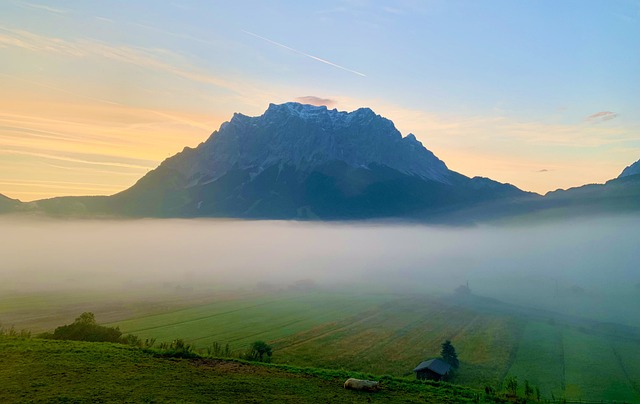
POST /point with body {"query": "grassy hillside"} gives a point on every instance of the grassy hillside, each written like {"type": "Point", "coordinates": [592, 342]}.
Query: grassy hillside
{"type": "Point", "coordinates": [389, 334]}
{"type": "Point", "coordinates": [66, 371]}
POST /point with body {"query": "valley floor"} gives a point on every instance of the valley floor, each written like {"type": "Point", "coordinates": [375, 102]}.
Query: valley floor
{"type": "Point", "coordinates": [385, 334]}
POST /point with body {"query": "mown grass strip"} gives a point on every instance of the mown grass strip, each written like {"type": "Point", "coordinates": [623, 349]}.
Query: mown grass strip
{"type": "Point", "coordinates": [539, 358]}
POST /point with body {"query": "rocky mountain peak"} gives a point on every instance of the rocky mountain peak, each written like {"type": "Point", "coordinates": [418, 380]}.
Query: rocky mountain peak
{"type": "Point", "coordinates": [307, 136]}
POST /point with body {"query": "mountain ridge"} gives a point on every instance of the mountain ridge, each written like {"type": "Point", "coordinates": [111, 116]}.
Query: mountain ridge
{"type": "Point", "coordinates": [302, 161]}
{"type": "Point", "coordinates": [633, 169]}
{"type": "Point", "coordinates": [298, 161]}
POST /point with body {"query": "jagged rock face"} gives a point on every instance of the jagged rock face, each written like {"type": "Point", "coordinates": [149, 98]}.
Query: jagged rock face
{"type": "Point", "coordinates": [633, 169]}
{"type": "Point", "coordinates": [306, 137]}
{"type": "Point", "coordinates": [303, 161]}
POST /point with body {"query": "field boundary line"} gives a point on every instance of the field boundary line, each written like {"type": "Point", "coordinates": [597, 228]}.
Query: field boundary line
{"type": "Point", "coordinates": [332, 331]}
{"type": "Point", "coordinates": [633, 384]}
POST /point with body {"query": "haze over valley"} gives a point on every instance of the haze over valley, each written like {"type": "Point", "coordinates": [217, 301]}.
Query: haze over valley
{"type": "Point", "coordinates": [300, 202]}
{"type": "Point", "coordinates": [584, 267]}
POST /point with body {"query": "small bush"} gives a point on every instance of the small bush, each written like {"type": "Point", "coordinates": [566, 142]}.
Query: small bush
{"type": "Point", "coordinates": [511, 386]}
{"type": "Point", "coordinates": [217, 350]}
{"type": "Point", "coordinates": [257, 352]}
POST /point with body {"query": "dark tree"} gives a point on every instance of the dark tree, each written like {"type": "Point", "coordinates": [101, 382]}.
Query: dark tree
{"type": "Point", "coordinates": [448, 354]}
{"type": "Point", "coordinates": [86, 318]}
{"type": "Point", "coordinates": [258, 350]}
{"type": "Point", "coordinates": [528, 390]}
{"type": "Point", "coordinates": [511, 385]}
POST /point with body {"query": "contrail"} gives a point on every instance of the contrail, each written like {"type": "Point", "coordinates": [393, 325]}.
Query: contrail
{"type": "Point", "coordinates": [304, 54]}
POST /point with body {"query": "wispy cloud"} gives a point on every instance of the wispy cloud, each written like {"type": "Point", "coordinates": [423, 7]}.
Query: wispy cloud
{"type": "Point", "coordinates": [155, 59]}
{"type": "Point", "coordinates": [93, 186]}
{"type": "Point", "coordinates": [313, 100]}
{"type": "Point", "coordinates": [43, 7]}
{"type": "Point", "coordinates": [601, 116]}
{"type": "Point", "coordinates": [305, 54]}
{"type": "Point", "coordinates": [77, 160]}
{"type": "Point", "coordinates": [393, 10]}
{"type": "Point", "coordinates": [105, 19]}
{"type": "Point", "coordinates": [93, 169]}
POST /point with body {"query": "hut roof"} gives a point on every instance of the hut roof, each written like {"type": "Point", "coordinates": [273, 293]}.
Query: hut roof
{"type": "Point", "coordinates": [435, 365]}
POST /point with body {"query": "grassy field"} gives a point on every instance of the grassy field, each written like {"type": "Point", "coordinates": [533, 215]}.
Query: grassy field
{"type": "Point", "coordinates": [35, 370]}
{"type": "Point", "coordinates": [592, 369]}
{"type": "Point", "coordinates": [45, 310]}
{"type": "Point", "coordinates": [540, 358]}
{"type": "Point", "coordinates": [578, 364]}
{"type": "Point", "coordinates": [239, 322]}
{"type": "Point", "coordinates": [394, 337]}
{"type": "Point", "coordinates": [378, 333]}
{"type": "Point", "coordinates": [390, 334]}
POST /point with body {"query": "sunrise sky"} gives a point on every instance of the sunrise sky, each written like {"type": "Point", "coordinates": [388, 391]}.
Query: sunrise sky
{"type": "Point", "coordinates": [541, 94]}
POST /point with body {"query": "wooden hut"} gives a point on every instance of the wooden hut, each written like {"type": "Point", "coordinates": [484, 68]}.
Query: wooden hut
{"type": "Point", "coordinates": [433, 369]}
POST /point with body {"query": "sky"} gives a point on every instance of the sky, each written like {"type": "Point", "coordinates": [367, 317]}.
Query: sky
{"type": "Point", "coordinates": [540, 94]}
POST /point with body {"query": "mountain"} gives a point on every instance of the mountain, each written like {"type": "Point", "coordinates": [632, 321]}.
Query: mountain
{"type": "Point", "coordinates": [9, 205]}
{"type": "Point", "coordinates": [633, 169]}
{"type": "Point", "coordinates": [299, 161]}
{"type": "Point", "coordinates": [307, 162]}
{"type": "Point", "coordinates": [618, 195]}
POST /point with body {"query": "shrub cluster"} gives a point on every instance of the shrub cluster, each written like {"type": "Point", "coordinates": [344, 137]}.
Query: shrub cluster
{"type": "Point", "coordinates": [177, 349]}
{"type": "Point", "coordinates": [85, 328]}
{"type": "Point", "coordinates": [12, 332]}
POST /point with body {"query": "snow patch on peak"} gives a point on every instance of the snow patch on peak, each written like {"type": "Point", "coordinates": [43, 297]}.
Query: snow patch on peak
{"type": "Point", "coordinates": [295, 108]}
{"type": "Point", "coordinates": [306, 111]}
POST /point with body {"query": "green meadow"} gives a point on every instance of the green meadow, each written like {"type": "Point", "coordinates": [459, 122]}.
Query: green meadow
{"type": "Point", "coordinates": [578, 364]}
{"type": "Point", "coordinates": [386, 334]}
{"type": "Point", "coordinates": [240, 321]}
{"type": "Point", "coordinates": [390, 334]}
{"type": "Point", "coordinates": [37, 370]}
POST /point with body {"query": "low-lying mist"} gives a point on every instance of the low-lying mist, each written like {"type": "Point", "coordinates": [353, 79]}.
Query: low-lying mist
{"type": "Point", "coordinates": [587, 267]}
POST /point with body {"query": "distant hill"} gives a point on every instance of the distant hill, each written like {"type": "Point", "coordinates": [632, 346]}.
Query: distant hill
{"type": "Point", "coordinates": [617, 196]}
{"type": "Point", "coordinates": [9, 205]}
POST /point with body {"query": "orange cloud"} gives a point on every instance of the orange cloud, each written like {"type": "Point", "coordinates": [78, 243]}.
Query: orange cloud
{"type": "Point", "coordinates": [312, 100]}
{"type": "Point", "coordinates": [601, 116]}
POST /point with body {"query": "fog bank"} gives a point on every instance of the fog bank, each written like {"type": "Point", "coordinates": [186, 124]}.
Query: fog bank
{"type": "Point", "coordinates": [586, 267]}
